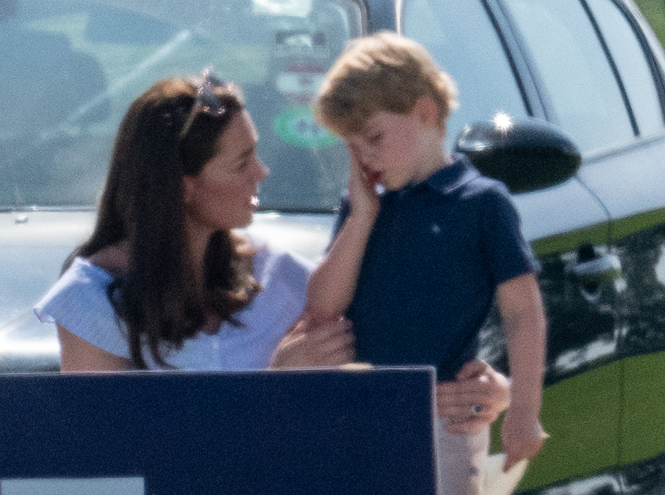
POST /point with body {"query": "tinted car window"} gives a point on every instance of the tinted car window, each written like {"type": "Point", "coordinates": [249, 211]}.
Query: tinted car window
{"type": "Point", "coordinates": [73, 67]}
{"type": "Point", "coordinates": [635, 73]}
{"type": "Point", "coordinates": [456, 32]}
{"type": "Point", "coordinates": [570, 60]}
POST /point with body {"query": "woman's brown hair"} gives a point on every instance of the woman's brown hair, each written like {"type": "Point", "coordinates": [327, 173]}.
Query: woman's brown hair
{"type": "Point", "coordinates": [163, 137]}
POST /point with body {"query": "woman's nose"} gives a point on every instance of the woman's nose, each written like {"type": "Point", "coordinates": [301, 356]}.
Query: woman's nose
{"type": "Point", "coordinates": [263, 170]}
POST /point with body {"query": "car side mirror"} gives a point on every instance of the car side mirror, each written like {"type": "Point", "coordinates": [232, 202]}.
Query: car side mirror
{"type": "Point", "coordinates": [526, 155]}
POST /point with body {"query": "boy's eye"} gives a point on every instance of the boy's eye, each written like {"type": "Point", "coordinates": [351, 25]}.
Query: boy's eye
{"type": "Point", "coordinates": [375, 138]}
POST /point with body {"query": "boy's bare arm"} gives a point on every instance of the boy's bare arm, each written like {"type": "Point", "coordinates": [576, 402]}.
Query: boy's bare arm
{"type": "Point", "coordinates": [333, 283]}
{"type": "Point", "coordinates": [521, 309]}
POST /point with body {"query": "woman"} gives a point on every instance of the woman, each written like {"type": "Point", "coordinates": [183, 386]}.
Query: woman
{"type": "Point", "coordinates": [164, 281]}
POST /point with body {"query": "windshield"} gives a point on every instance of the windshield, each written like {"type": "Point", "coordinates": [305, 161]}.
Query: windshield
{"type": "Point", "coordinates": [71, 68]}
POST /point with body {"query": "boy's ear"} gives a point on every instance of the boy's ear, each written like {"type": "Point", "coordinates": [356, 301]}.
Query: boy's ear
{"type": "Point", "coordinates": [427, 111]}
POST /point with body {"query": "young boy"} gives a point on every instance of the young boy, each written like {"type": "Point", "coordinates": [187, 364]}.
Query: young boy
{"type": "Point", "coordinates": [417, 268]}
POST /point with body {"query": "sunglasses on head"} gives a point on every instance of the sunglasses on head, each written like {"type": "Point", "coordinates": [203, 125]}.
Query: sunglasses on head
{"type": "Point", "coordinates": [206, 100]}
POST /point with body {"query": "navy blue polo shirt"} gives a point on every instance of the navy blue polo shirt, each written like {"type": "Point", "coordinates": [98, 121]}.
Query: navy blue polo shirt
{"type": "Point", "coordinates": [433, 261]}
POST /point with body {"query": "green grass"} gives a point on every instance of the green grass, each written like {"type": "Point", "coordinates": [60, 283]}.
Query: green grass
{"type": "Point", "coordinates": [654, 11]}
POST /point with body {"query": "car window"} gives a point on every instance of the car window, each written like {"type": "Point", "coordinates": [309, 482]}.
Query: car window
{"type": "Point", "coordinates": [71, 68]}
{"type": "Point", "coordinates": [632, 65]}
{"type": "Point", "coordinates": [577, 76]}
{"type": "Point", "coordinates": [456, 32]}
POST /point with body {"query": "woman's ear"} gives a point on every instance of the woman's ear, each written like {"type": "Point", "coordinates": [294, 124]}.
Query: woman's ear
{"type": "Point", "coordinates": [427, 111]}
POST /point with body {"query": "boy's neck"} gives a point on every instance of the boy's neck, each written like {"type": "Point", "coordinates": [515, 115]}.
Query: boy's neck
{"type": "Point", "coordinates": [432, 162]}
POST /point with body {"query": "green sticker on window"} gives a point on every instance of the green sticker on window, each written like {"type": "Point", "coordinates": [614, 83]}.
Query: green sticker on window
{"type": "Point", "coordinates": [297, 126]}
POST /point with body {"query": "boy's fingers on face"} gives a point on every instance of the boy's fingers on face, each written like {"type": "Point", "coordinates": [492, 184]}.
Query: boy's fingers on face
{"type": "Point", "coordinates": [357, 173]}
{"type": "Point", "coordinates": [357, 163]}
{"type": "Point", "coordinates": [355, 155]}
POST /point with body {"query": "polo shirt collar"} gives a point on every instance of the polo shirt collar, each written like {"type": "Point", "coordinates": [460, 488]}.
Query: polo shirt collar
{"type": "Point", "coordinates": [447, 180]}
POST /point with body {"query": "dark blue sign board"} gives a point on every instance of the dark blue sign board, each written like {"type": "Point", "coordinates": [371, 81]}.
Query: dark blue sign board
{"type": "Point", "coordinates": [289, 432]}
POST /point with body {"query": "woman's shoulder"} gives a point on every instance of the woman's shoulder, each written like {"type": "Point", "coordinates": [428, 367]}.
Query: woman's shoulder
{"type": "Point", "coordinates": [112, 259]}
{"type": "Point", "coordinates": [82, 273]}
{"type": "Point", "coordinates": [271, 261]}
{"type": "Point", "coordinates": [83, 285]}
{"type": "Point", "coordinates": [79, 302]}
{"type": "Point", "coordinates": [81, 292]}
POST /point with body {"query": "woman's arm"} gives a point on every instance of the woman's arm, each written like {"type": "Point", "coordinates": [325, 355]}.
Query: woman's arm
{"type": "Point", "coordinates": [77, 354]}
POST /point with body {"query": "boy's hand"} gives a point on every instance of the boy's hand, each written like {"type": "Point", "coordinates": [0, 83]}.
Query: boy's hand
{"type": "Point", "coordinates": [522, 435]}
{"type": "Point", "coordinates": [362, 190]}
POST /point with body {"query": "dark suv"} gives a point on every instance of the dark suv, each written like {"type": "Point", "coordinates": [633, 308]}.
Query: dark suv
{"type": "Point", "coordinates": [580, 84]}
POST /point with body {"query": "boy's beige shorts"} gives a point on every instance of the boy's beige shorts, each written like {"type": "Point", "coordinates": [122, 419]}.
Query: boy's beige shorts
{"type": "Point", "coordinates": [461, 461]}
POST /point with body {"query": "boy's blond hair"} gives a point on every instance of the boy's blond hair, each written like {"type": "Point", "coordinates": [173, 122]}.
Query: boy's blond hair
{"type": "Point", "coordinates": [381, 72]}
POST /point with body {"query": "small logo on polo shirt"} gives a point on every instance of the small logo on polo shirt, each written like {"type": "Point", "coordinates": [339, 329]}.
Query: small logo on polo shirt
{"type": "Point", "coordinates": [435, 229]}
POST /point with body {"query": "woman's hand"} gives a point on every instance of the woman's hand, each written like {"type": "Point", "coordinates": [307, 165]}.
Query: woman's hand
{"type": "Point", "coordinates": [474, 400]}
{"type": "Point", "coordinates": [305, 345]}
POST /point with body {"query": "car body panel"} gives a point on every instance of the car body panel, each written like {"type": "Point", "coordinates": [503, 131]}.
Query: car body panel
{"type": "Point", "coordinates": [628, 191]}
{"type": "Point", "coordinates": [33, 246]}
{"type": "Point", "coordinates": [643, 415]}
{"type": "Point", "coordinates": [574, 217]}
{"type": "Point", "coordinates": [584, 441]}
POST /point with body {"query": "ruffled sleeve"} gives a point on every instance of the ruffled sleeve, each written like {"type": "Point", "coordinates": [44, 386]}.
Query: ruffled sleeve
{"type": "Point", "coordinates": [79, 302]}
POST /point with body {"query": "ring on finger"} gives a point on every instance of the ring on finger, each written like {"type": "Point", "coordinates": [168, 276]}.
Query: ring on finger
{"type": "Point", "coordinates": [477, 409]}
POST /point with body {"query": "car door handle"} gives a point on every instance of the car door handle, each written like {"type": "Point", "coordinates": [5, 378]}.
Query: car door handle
{"type": "Point", "coordinates": [604, 268]}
